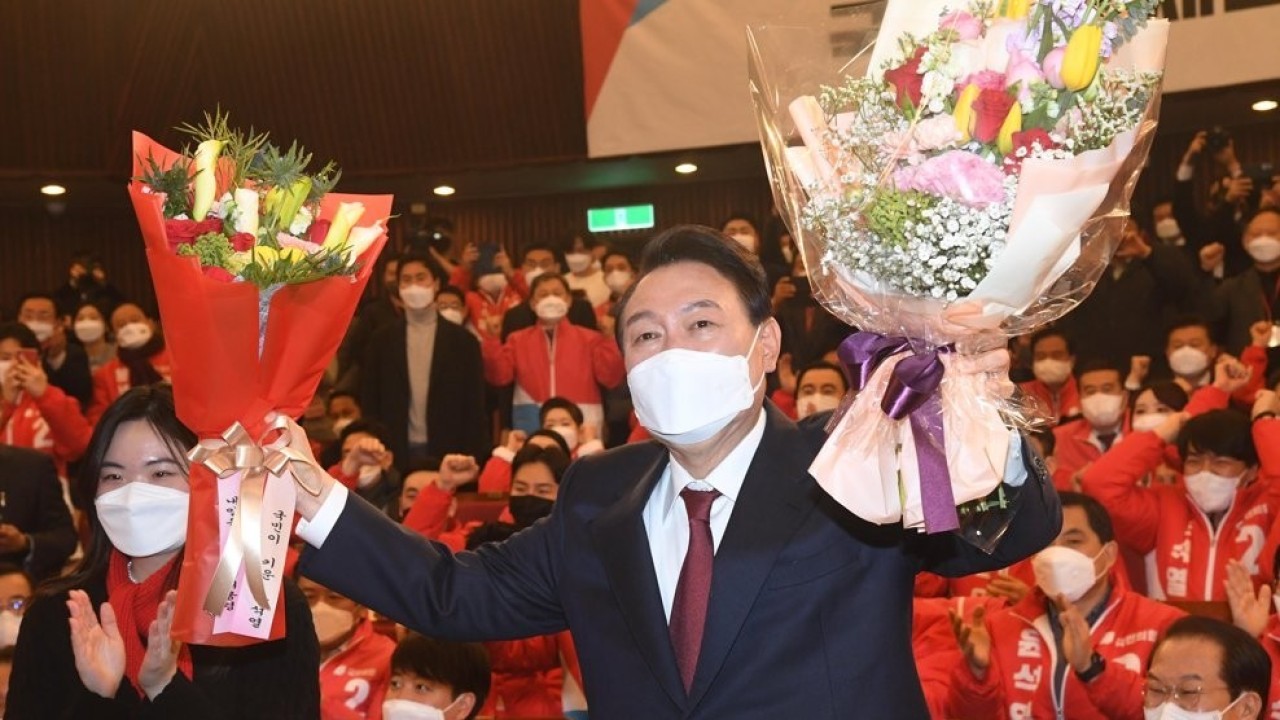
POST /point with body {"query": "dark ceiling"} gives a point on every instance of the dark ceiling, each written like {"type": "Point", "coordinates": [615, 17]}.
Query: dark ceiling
{"type": "Point", "coordinates": [483, 94]}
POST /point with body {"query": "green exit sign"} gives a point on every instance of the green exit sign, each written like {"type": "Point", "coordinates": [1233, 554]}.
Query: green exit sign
{"type": "Point", "coordinates": [617, 219]}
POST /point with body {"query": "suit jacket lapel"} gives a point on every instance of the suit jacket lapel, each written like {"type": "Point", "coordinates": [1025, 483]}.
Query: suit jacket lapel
{"type": "Point", "coordinates": [774, 502]}
{"type": "Point", "coordinates": [623, 546]}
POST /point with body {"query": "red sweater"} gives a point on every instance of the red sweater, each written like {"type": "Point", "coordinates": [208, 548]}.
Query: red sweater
{"type": "Point", "coordinates": [1063, 404]}
{"type": "Point", "coordinates": [354, 681]}
{"type": "Point", "coordinates": [112, 380]}
{"type": "Point", "coordinates": [1020, 680]}
{"type": "Point", "coordinates": [51, 424]}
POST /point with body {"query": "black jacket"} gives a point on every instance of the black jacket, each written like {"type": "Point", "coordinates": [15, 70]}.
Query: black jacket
{"type": "Point", "coordinates": [810, 608]}
{"type": "Point", "coordinates": [74, 377]}
{"type": "Point", "coordinates": [31, 500]}
{"type": "Point", "coordinates": [272, 680]}
{"type": "Point", "coordinates": [456, 421]}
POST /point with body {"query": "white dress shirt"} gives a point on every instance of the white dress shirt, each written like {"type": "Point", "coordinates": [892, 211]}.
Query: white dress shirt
{"type": "Point", "coordinates": [666, 521]}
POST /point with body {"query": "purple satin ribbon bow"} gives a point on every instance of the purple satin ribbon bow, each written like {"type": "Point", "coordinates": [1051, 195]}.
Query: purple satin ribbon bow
{"type": "Point", "coordinates": [912, 393]}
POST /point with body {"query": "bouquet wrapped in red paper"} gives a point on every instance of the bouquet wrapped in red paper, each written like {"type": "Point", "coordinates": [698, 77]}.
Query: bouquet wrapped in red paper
{"type": "Point", "coordinates": [257, 268]}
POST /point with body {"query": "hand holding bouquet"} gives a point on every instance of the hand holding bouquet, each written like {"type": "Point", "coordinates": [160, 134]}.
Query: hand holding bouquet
{"type": "Point", "coordinates": [257, 267]}
{"type": "Point", "coordinates": [961, 180]}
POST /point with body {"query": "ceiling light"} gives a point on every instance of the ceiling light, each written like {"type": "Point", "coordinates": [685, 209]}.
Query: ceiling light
{"type": "Point", "coordinates": [52, 189]}
{"type": "Point", "coordinates": [686, 168]}
{"type": "Point", "coordinates": [1265, 105]}
{"type": "Point", "coordinates": [444, 190]}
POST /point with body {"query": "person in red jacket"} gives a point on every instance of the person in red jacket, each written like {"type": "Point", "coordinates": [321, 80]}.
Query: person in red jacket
{"type": "Point", "coordinates": [553, 358]}
{"type": "Point", "coordinates": [1076, 648]}
{"type": "Point", "coordinates": [1079, 443]}
{"type": "Point", "coordinates": [933, 643]}
{"type": "Point", "coordinates": [1222, 510]}
{"type": "Point", "coordinates": [355, 661]}
{"type": "Point", "coordinates": [33, 413]}
{"type": "Point", "coordinates": [492, 294]}
{"type": "Point", "coordinates": [141, 359]}
{"type": "Point", "coordinates": [496, 476]}
{"type": "Point", "coordinates": [1054, 387]}
{"type": "Point", "coordinates": [1252, 610]}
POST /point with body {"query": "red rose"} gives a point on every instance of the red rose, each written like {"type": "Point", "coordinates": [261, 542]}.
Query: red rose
{"type": "Point", "coordinates": [185, 232]}
{"type": "Point", "coordinates": [317, 231]}
{"type": "Point", "coordinates": [906, 81]}
{"type": "Point", "coordinates": [1024, 141]}
{"type": "Point", "coordinates": [989, 112]}
{"type": "Point", "coordinates": [242, 242]}
{"type": "Point", "coordinates": [217, 273]}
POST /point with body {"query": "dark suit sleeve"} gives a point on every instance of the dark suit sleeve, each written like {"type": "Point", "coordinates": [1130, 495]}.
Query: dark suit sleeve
{"type": "Point", "coordinates": [501, 591]}
{"type": "Point", "coordinates": [476, 419]}
{"type": "Point", "coordinates": [1177, 278]}
{"type": "Point", "coordinates": [370, 394]}
{"type": "Point", "coordinates": [53, 534]}
{"type": "Point", "coordinates": [1036, 523]}
{"type": "Point", "coordinates": [73, 378]}
{"type": "Point", "coordinates": [581, 313]}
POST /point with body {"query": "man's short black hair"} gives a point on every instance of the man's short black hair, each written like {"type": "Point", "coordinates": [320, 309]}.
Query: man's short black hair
{"type": "Point", "coordinates": [559, 403]}
{"type": "Point", "coordinates": [1225, 433]}
{"type": "Point", "coordinates": [1167, 393]}
{"type": "Point", "coordinates": [21, 333]}
{"type": "Point", "coordinates": [1098, 365]}
{"type": "Point", "coordinates": [822, 365]}
{"type": "Point", "coordinates": [430, 263]}
{"type": "Point", "coordinates": [426, 464]}
{"type": "Point", "coordinates": [553, 435]}
{"type": "Point", "coordinates": [368, 427]}
{"type": "Point", "coordinates": [555, 460]}
{"type": "Point", "coordinates": [341, 394]}
{"type": "Point", "coordinates": [464, 667]}
{"type": "Point", "coordinates": [1051, 332]}
{"type": "Point", "coordinates": [546, 278]}
{"type": "Point", "coordinates": [615, 252]}
{"type": "Point", "coordinates": [534, 247]}
{"type": "Point", "coordinates": [1245, 664]}
{"type": "Point", "coordinates": [1189, 321]}
{"type": "Point", "coordinates": [703, 245]}
{"type": "Point", "coordinates": [1099, 519]}
{"type": "Point", "coordinates": [742, 215]}
{"type": "Point", "coordinates": [36, 296]}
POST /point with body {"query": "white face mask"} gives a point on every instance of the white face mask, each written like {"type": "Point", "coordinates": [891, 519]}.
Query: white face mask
{"type": "Point", "coordinates": [1264, 249]}
{"type": "Point", "coordinates": [1167, 229]}
{"type": "Point", "coordinates": [1188, 361]}
{"type": "Point", "coordinates": [1211, 492]}
{"type": "Point", "coordinates": [88, 331]}
{"type": "Point", "coordinates": [341, 424]}
{"type": "Point", "coordinates": [453, 315]}
{"type": "Point", "coordinates": [409, 710]}
{"type": "Point", "coordinates": [1063, 571]}
{"type": "Point", "coordinates": [551, 308]}
{"type": "Point", "coordinates": [618, 281]}
{"type": "Point", "coordinates": [1051, 371]}
{"type": "Point", "coordinates": [42, 329]}
{"type": "Point", "coordinates": [685, 397]}
{"type": "Point", "coordinates": [746, 241]}
{"type": "Point", "coordinates": [134, 335]}
{"type": "Point", "coordinates": [578, 262]}
{"type": "Point", "coordinates": [531, 275]}
{"type": "Point", "coordinates": [1103, 410]}
{"type": "Point", "coordinates": [331, 622]}
{"type": "Point", "coordinates": [569, 433]}
{"type": "Point", "coordinates": [807, 405]}
{"type": "Point", "coordinates": [492, 284]}
{"type": "Point", "coordinates": [10, 623]}
{"type": "Point", "coordinates": [1149, 421]}
{"type": "Point", "coordinates": [142, 519]}
{"type": "Point", "coordinates": [1170, 711]}
{"type": "Point", "coordinates": [417, 297]}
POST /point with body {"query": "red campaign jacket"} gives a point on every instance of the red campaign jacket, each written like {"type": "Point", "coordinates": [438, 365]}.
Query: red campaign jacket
{"type": "Point", "coordinates": [528, 675]}
{"type": "Point", "coordinates": [1190, 555]}
{"type": "Point", "coordinates": [1064, 404]}
{"type": "Point", "coordinates": [1019, 682]}
{"type": "Point", "coordinates": [1271, 643]}
{"type": "Point", "coordinates": [51, 424]}
{"type": "Point", "coordinates": [1074, 449]}
{"type": "Point", "coordinates": [975, 585]}
{"type": "Point", "coordinates": [354, 681]}
{"type": "Point", "coordinates": [112, 380]}
{"type": "Point", "coordinates": [482, 311]}
{"type": "Point", "coordinates": [583, 360]}
{"type": "Point", "coordinates": [934, 646]}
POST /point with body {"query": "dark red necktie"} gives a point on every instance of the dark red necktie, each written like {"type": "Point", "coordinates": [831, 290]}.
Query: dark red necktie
{"type": "Point", "coordinates": [689, 611]}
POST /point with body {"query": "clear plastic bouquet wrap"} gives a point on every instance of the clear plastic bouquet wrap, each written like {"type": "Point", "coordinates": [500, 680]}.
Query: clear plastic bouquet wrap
{"type": "Point", "coordinates": [962, 178]}
{"type": "Point", "coordinates": [257, 269]}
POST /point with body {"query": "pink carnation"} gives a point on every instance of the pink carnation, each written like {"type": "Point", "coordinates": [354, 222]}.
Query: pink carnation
{"type": "Point", "coordinates": [985, 80]}
{"type": "Point", "coordinates": [288, 241]}
{"type": "Point", "coordinates": [959, 175]}
{"type": "Point", "coordinates": [966, 26]}
{"type": "Point", "coordinates": [1022, 73]}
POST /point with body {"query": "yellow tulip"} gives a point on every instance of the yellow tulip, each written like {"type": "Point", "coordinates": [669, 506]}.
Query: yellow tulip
{"type": "Point", "coordinates": [265, 255]}
{"type": "Point", "coordinates": [206, 179]}
{"type": "Point", "coordinates": [1015, 9]}
{"type": "Point", "coordinates": [1012, 124]}
{"type": "Point", "coordinates": [292, 254]}
{"type": "Point", "coordinates": [964, 111]}
{"type": "Point", "coordinates": [343, 221]}
{"type": "Point", "coordinates": [292, 199]}
{"type": "Point", "coordinates": [1080, 61]}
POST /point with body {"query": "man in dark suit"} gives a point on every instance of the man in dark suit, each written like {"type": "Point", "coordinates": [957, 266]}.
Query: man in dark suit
{"type": "Point", "coordinates": [758, 596]}
{"type": "Point", "coordinates": [35, 526]}
{"type": "Point", "coordinates": [423, 378]}
{"type": "Point", "coordinates": [65, 363]}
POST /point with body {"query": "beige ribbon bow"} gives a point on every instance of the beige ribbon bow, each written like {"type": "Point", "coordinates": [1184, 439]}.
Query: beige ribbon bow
{"type": "Point", "coordinates": [237, 452]}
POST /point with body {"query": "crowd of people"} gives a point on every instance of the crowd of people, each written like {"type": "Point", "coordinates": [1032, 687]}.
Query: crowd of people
{"type": "Point", "coordinates": [472, 374]}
